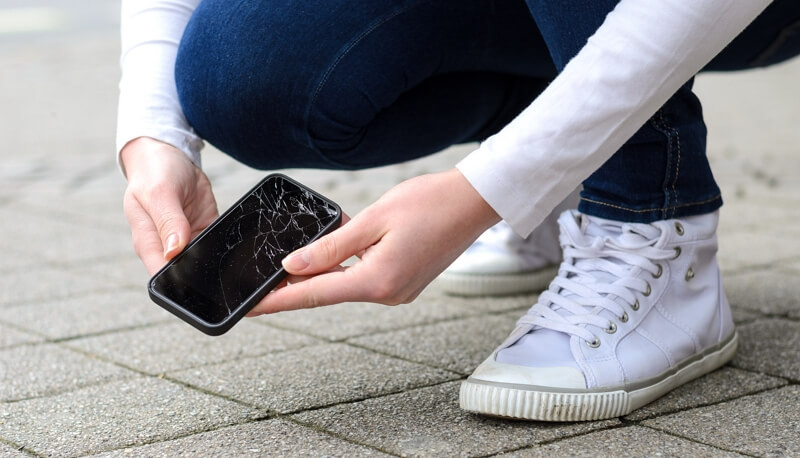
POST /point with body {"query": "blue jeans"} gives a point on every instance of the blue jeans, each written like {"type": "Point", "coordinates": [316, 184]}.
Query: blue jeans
{"type": "Point", "coordinates": [352, 85]}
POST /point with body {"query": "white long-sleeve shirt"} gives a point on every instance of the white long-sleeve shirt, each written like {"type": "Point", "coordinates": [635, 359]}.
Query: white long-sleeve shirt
{"type": "Point", "coordinates": [637, 59]}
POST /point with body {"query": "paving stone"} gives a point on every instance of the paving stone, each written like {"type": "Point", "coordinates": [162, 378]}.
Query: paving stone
{"type": "Point", "coordinates": [10, 337]}
{"type": "Point", "coordinates": [124, 271]}
{"type": "Point", "coordinates": [175, 346]}
{"type": "Point", "coordinates": [772, 292]}
{"type": "Point", "coordinates": [311, 377]}
{"type": "Point", "coordinates": [766, 424]}
{"type": "Point", "coordinates": [633, 441]}
{"type": "Point", "coordinates": [59, 240]}
{"type": "Point", "coordinates": [339, 322]}
{"type": "Point", "coordinates": [742, 316]}
{"type": "Point", "coordinates": [743, 250]}
{"type": "Point", "coordinates": [771, 346]}
{"type": "Point", "coordinates": [10, 452]}
{"type": "Point", "coordinates": [721, 385]}
{"type": "Point", "coordinates": [458, 345]}
{"type": "Point", "coordinates": [428, 422]}
{"type": "Point", "coordinates": [263, 438]}
{"type": "Point", "coordinates": [88, 314]}
{"type": "Point", "coordinates": [37, 370]}
{"type": "Point", "coordinates": [43, 283]}
{"type": "Point", "coordinates": [17, 260]}
{"type": "Point", "coordinates": [115, 415]}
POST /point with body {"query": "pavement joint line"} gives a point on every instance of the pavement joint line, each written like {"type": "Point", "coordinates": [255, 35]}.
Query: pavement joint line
{"type": "Point", "coordinates": [55, 393]}
{"type": "Point", "coordinates": [334, 434]}
{"type": "Point", "coordinates": [78, 295]}
{"type": "Point", "coordinates": [693, 440]}
{"type": "Point", "coordinates": [556, 440]}
{"type": "Point", "coordinates": [367, 398]}
{"type": "Point", "coordinates": [421, 363]}
{"type": "Point", "coordinates": [17, 447]}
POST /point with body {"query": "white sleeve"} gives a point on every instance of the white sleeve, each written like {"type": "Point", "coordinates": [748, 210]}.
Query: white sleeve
{"type": "Point", "coordinates": [637, 59]}
{"type": "Point", "coordinates": [148, 103]}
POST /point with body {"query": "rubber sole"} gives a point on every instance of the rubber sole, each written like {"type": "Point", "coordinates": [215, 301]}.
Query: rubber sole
{"type": "Point", "coordinates": [463, 284]}
{"type": "Point", "coordinates": [502, 400]}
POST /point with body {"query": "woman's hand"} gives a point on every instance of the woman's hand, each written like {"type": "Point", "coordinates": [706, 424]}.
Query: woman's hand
{"type": "Point", "coordinates": [167, 202]}
{"type": "Point", "coordinates": [405, 240]}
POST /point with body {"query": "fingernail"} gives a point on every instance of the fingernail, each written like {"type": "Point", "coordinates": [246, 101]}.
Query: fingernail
{"type": "Point", "coordinates": [297, 261]}
{"type": "Point", "coordinates": [172, 244]}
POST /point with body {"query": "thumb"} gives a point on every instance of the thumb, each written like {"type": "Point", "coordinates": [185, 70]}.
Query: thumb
{"type": "Point", "coordinates": [331, 250]}
{"type": "Point", "coordinates": [173, 226]}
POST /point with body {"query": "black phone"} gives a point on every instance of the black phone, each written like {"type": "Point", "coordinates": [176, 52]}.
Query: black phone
{"type": "Point", "coordinates": [230, 266]}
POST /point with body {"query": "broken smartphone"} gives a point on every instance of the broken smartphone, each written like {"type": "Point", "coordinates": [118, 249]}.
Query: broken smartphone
{"type": "Point", "coordinates": [230, 266]}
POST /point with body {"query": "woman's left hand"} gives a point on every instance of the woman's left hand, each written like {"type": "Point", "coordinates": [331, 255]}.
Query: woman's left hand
{"type": "Point", "coordinates": [404, 241]}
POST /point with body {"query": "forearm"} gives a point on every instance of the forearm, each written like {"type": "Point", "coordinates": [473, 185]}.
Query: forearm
{"type": "Point", "coordinates": [148, 105]}
{"type": "Point", "coordinates": [636, 60]}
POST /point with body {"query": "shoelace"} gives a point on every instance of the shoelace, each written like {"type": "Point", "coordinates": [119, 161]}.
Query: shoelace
{"type": "Point", "coordinates": [598, 274]}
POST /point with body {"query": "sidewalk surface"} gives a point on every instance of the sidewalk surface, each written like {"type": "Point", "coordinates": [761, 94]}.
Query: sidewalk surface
{"type": "Point", "coordinates": [88, 365]}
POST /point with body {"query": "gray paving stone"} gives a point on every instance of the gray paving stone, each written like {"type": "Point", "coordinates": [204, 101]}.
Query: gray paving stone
{"type": "Point", "coordinates": [59, 240]}
{"type": "Point", "coordinates": [742, 316]}
{"type": "Point", "coordinates": [10, 452]}
{"type": "Point", "coordinates": [114, 415]}
{"type": "Point", "coordinates": [771, 346]}
{"type": "Point", "coordinates": [257, 439]}
{"type": "Point", "coordinates": [766, 424]}
{"type": "Point", "coordinates": [428, 422]}
{"type": "Point", "coordinates": [43, 283]}
{"type": "Point", "coordinates": [458, 345]}
{"type": "Point", "coordinates": [519, 303]}
{"type": "Point", "coordinates": [743, 250]}
{"type": "Point", "coordinates": [10, 337]}
{"type": "Point", "coordinates": [722, 385]}
{"type": "Point", "coordinates": [88, 314]}
{"type": "Point", "coordinates": [632, 441]}
{"type": "Point", "coordinates": [37, 370]}
{"type": "Point", "coordinates": [311, 377]}
{"type": "Point", "coordinates": [125, 271]}
{"type": "Point", "coordinates": [773, 292]}
{"type": "Point", "coordinates": [175, 346]}
{"type": "Point", "coordinates": [17, 260]}
{"type": "Point", "coordinates": [339, 322]}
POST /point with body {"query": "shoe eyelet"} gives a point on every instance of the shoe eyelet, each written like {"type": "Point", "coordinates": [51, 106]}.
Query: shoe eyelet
{"type": "Point", "coordinates": [677, 252]}
{"type": "Point", "coordinates": [689, 274]}
{"type": "Point", "coordinates": [594, 343]}
{"type": "Point", "coordinates": [612, 328]}
{"type": "Point", "coordinates": [624, 317]}
{"type": "Point", "coordinates": [635, 305]}
{"type": "Point", "coordinates": [679, 228]}
{"type": "Point", "coordinates": [660, 271]}
{"type": "Point", "coordinates": [648, 290]}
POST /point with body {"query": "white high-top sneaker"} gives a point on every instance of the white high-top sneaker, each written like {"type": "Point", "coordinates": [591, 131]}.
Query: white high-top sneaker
{"type": "Point", "coordinates": [635, 311]}
{"type": "Point", "coordinates": [502, 263]}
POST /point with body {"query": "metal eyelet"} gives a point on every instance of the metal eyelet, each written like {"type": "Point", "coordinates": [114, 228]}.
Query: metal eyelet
{"type": "Point", "coordinates": [689, 274]}
{"type": "Point", "coordinates": [593, 344]}
{"type": "Point", "coordinates": [612, 328]}
{"type": "Point", "coordinates": [635, 305]}
{"type": "Point", "coordinates": [624, 317]}
{"type": "Point", "coordinates": [660, 271]}
{"type": "Point", "coordinates": [679, 228]}
{"type": "Point", "coordinates": [677, 252]}
{"type": "Point", "coordinates": [648, 290]}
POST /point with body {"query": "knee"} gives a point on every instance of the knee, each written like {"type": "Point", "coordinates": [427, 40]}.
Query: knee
{"type": "Point", "coordinates": [240, 90]}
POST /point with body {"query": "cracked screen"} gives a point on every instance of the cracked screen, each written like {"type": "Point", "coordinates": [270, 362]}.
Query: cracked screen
{"type": "Point", "coordinates": [242, 251]}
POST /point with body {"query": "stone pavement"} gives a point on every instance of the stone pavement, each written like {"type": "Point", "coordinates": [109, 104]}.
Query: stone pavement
{"type": "Point", "coordinates": [88, 365]}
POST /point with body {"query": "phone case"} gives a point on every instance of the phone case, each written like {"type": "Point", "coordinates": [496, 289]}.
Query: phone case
{"type": "Point", "coordinates": [279, 222]}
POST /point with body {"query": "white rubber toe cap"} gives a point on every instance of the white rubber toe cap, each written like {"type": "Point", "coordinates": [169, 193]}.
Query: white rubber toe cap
{"type": "Point", "coordinates": [557, 378]}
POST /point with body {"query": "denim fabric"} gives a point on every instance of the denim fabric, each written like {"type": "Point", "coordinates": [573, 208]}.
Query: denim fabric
{"type": "Point", "coordinates": [350, 85]}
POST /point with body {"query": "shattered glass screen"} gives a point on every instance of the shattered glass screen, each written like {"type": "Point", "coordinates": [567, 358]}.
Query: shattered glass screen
{"type": "Point", "coordinates": [228, 264]}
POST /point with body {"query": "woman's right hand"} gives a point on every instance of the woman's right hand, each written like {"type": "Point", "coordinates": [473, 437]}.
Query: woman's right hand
{"type": "Point", "coordinates": [167, 202]}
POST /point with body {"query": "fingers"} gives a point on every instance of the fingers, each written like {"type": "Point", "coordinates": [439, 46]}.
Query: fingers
{"type": "Point", "coordinates": [331, 250]}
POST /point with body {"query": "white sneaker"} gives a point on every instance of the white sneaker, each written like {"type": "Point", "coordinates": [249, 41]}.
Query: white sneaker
{"type": "Point", "coordinates": [635, 311]}
{"type": "Point", "coordinates": [502, 263]}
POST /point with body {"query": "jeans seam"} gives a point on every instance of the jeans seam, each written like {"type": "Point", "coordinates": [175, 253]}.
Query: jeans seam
{"type": "Point", "coordinates": [646, 210]}
{"type": "Point", "coordinates": [318, 89]}
{"type": "Point", "coordinates": [670, 131]}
